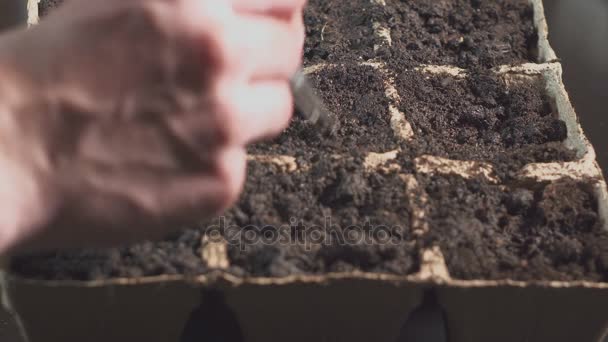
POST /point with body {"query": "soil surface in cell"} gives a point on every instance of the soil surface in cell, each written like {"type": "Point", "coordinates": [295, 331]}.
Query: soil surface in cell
{"type": "Point", "coordinates": [339, 30]}
{"type": "Point", "coordinates": [178, 254]}
{"type": "Point", "coordinates": [355, 94]}
{"type": "Point", "coordinates": [465, 33]}
{"type": "Point", "coordinates": [46, 6]}
{"type": "Point", "coordinates": [486, 231]}
{"type": "Point", "coordinates": [480, 117]}
{"type": "Point", "coordinates": [332, 216]}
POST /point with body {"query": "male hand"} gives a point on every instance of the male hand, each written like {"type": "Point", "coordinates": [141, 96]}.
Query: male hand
{"type": "Point", "coordinates": [123, 119]}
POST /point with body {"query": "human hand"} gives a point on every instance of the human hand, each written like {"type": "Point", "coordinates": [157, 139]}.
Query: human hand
{"type": "Point", "coordinates": [125, 119]}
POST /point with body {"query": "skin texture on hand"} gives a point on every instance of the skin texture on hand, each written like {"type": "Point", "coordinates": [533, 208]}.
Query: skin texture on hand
{"type": "Point", "coordinates": [124, 119]}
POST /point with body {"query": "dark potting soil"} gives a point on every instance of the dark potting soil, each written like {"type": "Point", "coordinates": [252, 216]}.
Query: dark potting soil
{"type": "Point", "coordinates": [334, 217]}
{"type": "Point", "coordinates": [508, 165]}
{"type": "Point", "coordinates": [355, 94]}
{"type": "Point", "coordinates": [465, 33]}
{"type": "Point", "coordinates": [46, 6]}
{"type": "Point", "coordinates": [338, 30]}
{"type": "Point", "coordinates": [480, 117]}
{"type": "Point", "coordinates": [487, 231]}
{"type": "Point", "coordinates": [178, 254]}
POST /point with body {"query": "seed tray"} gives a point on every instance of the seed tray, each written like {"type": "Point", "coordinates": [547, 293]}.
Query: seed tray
{"type": "Point", "coordinates": [354, 305]}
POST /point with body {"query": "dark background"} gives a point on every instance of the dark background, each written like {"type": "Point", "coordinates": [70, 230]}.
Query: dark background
{"type": "Point", "coordinates": [579, 34]}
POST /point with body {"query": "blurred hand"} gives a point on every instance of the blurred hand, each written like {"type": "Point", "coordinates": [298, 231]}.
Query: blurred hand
{"type": "Point", "coordinates": [123, 119]}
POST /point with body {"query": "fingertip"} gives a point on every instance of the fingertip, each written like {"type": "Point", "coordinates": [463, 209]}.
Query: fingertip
{"type": "Point", "coordinates": [267, 109]}
{"type": "Point", "coordinates": [300, 29]}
